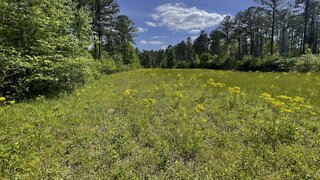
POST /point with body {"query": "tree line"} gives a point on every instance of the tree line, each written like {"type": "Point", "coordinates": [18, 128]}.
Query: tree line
{"type": "Point", "coordinates": [257, 37]}
{"type": "Point", "coordinates": [55, 45]}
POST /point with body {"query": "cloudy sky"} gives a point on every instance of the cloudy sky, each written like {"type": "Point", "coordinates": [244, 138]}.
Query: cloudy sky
{"type": "Point", "coordinates": [164, 22]}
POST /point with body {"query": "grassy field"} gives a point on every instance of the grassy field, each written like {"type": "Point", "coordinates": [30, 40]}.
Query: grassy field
{"type": "Point", "coordinates": [169, 124]}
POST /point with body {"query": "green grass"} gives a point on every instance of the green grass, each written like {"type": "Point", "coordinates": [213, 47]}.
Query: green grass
{"type": "Point", "coordinates": [168, 124]}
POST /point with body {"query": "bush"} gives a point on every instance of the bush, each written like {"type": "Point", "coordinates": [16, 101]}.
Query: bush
{"type": "Point", "coordinates": [307, 63]}
{"type": "Point", "coordinates": [304, 64]}
{"type": "Point", "coordinates": [28, 77]}
{"type": "Point", "coordinates": [269, 64]}
{"type": "Point", "coordinates": [248, 63]}
{"type": "Point", "coordinates": [285, 65]}
{"type": "Point", "coordinates": [108, 65]}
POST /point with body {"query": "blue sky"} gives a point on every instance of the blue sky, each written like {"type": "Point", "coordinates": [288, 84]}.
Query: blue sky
{"type": "Point", "coordinates": [164, 22]}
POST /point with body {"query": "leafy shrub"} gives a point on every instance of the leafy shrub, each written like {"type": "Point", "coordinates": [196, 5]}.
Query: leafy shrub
{"type": "Point", "coordinates": [268, 64]}
{"type": "Point", "coordinates": [27, 77]}
{"type": "Point", "coordinates": [205, 60]}
{"type": "Point", "coordinates": [108, 65]}
{"type": "Point", "coordinates": [285, 65]}
{"type": "Point", "coordinates": [303, 64]}
{"type": "Point", "coordinates": [307, 63]}
{"type": "Point", "coordinates": [248, 63]}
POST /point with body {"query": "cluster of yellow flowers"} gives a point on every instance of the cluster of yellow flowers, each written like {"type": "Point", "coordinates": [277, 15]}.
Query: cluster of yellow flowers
{"type": "Point", "coordinates": [180, 77]}
{"type": "Point", "coordinates": [235, 90]}
{"type": "Point", "coordinates": [287, 104]}
{"type": "Point", "coordinates": [4, 100]}
{"type": "Point", "coordinates": [274, 102]}
{"type": "Point", "coordinates": [130, 92]}
{"type": "Point", "coordinates": [212, 83]}
{"type": "Point", "coordinates": [200, 108]}
{"type": "Point", "coordinates": [179, 94]}
{"type": "Point", "coordinates": [148, 102]}
{"type": "Point", "coordinates": [194, 77]}
{"type": "Point", "coordinates": [179, 85]}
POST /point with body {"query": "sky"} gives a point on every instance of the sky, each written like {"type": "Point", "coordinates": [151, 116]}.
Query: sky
{"type": "Point", "coordinates": [164, 22]}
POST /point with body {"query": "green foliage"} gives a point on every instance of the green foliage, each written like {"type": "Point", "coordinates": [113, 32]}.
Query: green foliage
{"type": "Point", "coordinates": [130, 57]}
{"type": "Point", "coordinates": [307, 63]}
{"type": "Point", "coordinates": [43, 27]}
{"type": "Point", "coordinates": [171, 58]}
{"type": "Point", "coordinates": [45, 43]}
{"type": "Point", "coordinates": [168, 124]}
{"type": "Point", "coordinates": [195, 62]}
{"type": "Point", "coordinates": [108, 65]}
{"type": "Point", "coordinates": [164, 60]}
{"type": "Point", "coordinates": [255, 38]}
{"type": "Point", "coordinates": [205, 59]}
{"type": "Point", "coordinates": [28, 77]}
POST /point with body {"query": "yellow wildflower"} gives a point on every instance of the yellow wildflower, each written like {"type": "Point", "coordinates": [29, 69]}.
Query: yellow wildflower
{"type": "Point", "coordinates": [285, 110]}
{"type": "Point", "coordinates": [180, 76]}
{"type": "Point", "coordinates": [179, 86]}
{"type": "Point", "coordinates": [309, 107]}
{"type": "Point", "coordinates": [200, 108]}
{"type": "Point", "coordinates": [130, 92]}
{"type": "Point", "coordinates": [149, 101]}
{"type": "Point", "coordinates": [179, 94]}
{"type": "Point", "coordinates": [313, 113]}
{"type": "Point", "coordinates": [235, 90]}
{"type": "Point", "coordinates": [212, 83]}
{"type": "Point", "coordinates": [194, 77]}
{"type": "Point", "coordinates": [266, 96]}
{"type": "Point", "coordinates": [284, 97]}
{"type": "Point", "coordinates": [299, 99]}
{"type": "Point", "coordinates": [12, 102]}
{"type": "Point", "coordinates": [204, 120]}
{"type": "Point", "coordinates": [277, 103]}
{"type": "Point", "coordinates": [295, 107]}
{"type": "Point", "coordinates": [2, 99]}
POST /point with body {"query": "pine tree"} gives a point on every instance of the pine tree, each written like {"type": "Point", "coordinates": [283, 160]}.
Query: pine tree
{"type": "Point", "coordinates": [171, 58]}
{"type": "Point", "coordinates": [201, 44]}
{"type": "Point", "coordinates": [125, 30]}
{"type": "Point", "coordinates": [274, 6]}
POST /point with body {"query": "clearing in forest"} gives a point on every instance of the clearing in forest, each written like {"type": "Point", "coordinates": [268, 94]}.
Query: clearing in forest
{"type": "Point", "coordinates": [169, 124]}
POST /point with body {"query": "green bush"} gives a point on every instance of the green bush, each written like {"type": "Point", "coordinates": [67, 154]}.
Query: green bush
{"type": "Point", "coordinates": [307, 63]}
{"type": "Point", "coordinates": [205, 60]}
{"type": "Point", "coordinates": [108, 65]}
{"type": "Point", "coordinates": [248, 63]}
{"type": "Point", "coordinates": [28, 77]}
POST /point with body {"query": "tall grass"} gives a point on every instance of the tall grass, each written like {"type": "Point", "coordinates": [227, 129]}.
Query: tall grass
{"type": "Point", "coordinates": [168, 124]}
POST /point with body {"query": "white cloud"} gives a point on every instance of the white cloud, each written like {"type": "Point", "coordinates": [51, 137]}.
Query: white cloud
{"type": "Point", "coordinates": [179, 17]}
{"type": "Point", "coordinates": [143, 42]}
{"type": "Point", "coordinates": [151, 24]}
{"type": "Point", "coordinates": [194, 37]}
{"type": "Point", "coordinates": [158, 37]}
{"type": "Point", "coordinates": [163, 47]}
{"type": "Point", "coordinates": [194, 31]}
{"type": "Point", "coordinates": [141, 30]}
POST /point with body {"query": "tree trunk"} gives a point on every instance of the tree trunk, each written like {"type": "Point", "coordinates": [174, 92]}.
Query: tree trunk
{"type": "Point", "coordinates": [306, 16]}
{"type": "Point", "coordinates": [283, 42]}
{"type": "Point", "coordinates": [315, 46]}
{"type": "Point", "coordinates": [251, 42]}
{"type": "Point", "coordinates": [273, 29]}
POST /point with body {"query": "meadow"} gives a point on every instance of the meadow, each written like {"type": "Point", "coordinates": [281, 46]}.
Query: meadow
{"type": "Point", "coordinates": [168, 124]}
